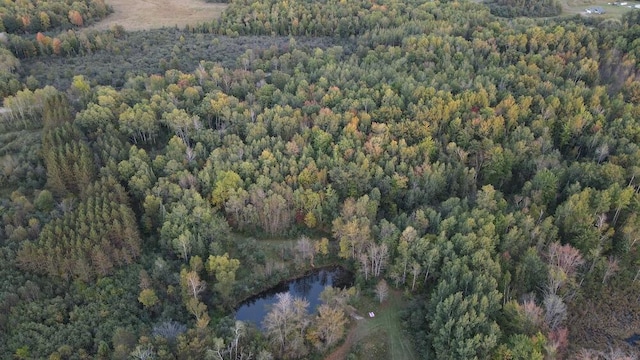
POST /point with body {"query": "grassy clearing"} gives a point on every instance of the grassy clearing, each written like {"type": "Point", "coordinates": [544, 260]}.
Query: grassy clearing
{"type": "Point", "coordinates": [381, 337]}
{"type": "Point", "coordinates": [577, 7]}
{"type": "Point", "coordinates": [277, 249]}
{"type": "Point", "coordinates": [154, 14]}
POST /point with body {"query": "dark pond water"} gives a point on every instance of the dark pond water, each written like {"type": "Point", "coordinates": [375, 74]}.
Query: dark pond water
{"type": "Point", "coordinates": [308, 287]}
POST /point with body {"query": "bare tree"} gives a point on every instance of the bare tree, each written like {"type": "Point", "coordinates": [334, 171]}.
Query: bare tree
{"type": "Point", "coordinates": [433, 256]}
{"type": "Point", "coordinates": [305, 248]}
{"type": "Point", "coordinates": [378, 255]}
{"type": "Point", "coordinates": [232, 350]}
{"type": "Point", "coordinates": [602, 151]}
{"type": "Point", "coordinates": [285, 325]}
{"type": "Point", "coordinates": [556, 279]}
{"type": "Point", "coordinates": [363, 258]}
{"type": "Point", "coordinates": [183, 244]}
{"type": "Point", "coordinates": [555, 311]}
{"type": "Point", "coordinates": [565, 257]}
{"type": "Point", "coordinates": [382, 290]}
{"type": "Point", "coordinates": [564, 261]}
{"type": "Point", "coordinates": [601, 221]}
{"type": "Point", "coordinates": [143, 353]}
{"type": "Point", "coordinates": [169, 330]}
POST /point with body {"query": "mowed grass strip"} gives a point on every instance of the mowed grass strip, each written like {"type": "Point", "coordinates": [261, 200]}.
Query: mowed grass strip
{"type": "Point", "coordinates": [153, 14]}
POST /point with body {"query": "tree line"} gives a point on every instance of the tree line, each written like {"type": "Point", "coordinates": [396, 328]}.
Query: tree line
{"type": "Point", "coordinates": [17, 17]}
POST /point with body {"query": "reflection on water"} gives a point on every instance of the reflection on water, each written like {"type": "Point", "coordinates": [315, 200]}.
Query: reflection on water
{"type": "Point", "coordinates": [308, 287]}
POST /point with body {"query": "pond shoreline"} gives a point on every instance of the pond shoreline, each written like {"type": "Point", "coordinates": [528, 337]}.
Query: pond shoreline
{"type": "Point", "coordinates": [296, 276]}
{"type": "Point", "coordinates": [308, 286]}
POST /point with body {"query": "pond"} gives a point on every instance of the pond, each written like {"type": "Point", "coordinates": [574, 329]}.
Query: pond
{"type": "Point", "coordinates": [309, 287]}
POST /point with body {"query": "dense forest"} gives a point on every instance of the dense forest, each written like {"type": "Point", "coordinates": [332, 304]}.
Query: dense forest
{"type": "Point", "coordinates": [513, 8]}
{"type": "Point", "coordinates": [485, 170]}
{"type": "Point", "coordinates": [30, 16]}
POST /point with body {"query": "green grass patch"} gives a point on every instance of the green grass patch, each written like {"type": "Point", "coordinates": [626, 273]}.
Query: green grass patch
{"type": "Point", "coordinates": [374, 346]}
{"type": "Point", "coordinates": [384, 334]}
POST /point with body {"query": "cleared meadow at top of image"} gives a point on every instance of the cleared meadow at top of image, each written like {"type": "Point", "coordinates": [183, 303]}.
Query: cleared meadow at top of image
{"type": "Point", "coordinates": [153, 14]}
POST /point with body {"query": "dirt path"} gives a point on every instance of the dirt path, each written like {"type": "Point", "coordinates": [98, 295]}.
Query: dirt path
{"type": "Point", "coordinates": [341, 352]}
{"type": "Point", "coordinates": [152, 14]}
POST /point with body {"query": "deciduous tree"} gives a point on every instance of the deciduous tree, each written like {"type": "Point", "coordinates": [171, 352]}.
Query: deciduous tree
{"type": "Point", "coordinates": [382, 290]}
{"type": "Point", "coordinates": [224, 268]}
{"type": "Point", "coordinates": [327, 328]}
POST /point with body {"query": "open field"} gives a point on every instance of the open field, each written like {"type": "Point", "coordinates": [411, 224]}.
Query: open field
{"type": "Point", "coordinates": [611, 11]}
{"type": "Point", "coordinates": [153, 14]}
{"type": "Point", "coordinates": [381, 337]}
{"type": "Point", "coordinates": [579, 7]}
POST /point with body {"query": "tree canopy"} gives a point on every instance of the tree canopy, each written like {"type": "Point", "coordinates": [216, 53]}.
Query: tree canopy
{"type": "Point", "coordinates": [487, 169]}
